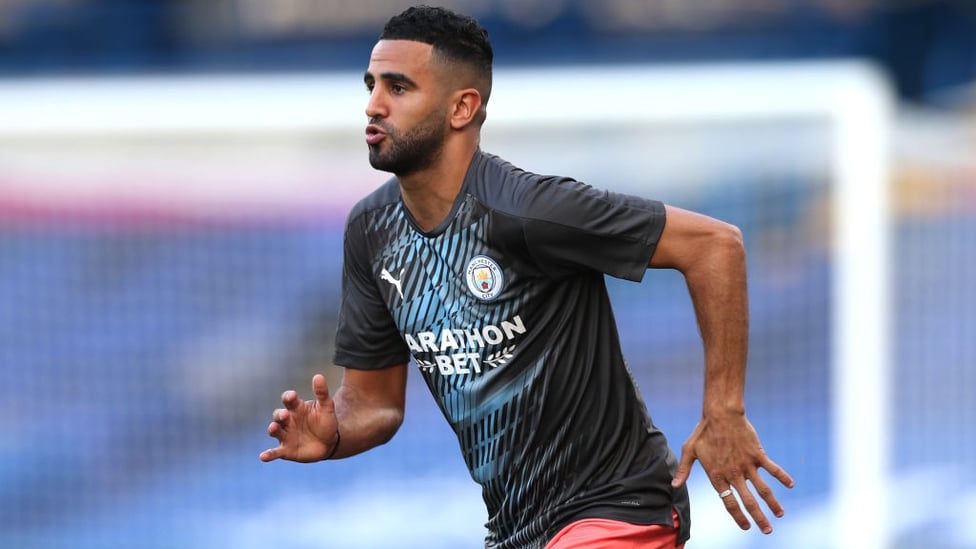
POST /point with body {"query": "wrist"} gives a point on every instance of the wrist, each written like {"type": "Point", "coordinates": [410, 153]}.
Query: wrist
{"type": "Point", "coordinates": [335, 446]}
{"type": "Point", "coordinates": [724, 409]}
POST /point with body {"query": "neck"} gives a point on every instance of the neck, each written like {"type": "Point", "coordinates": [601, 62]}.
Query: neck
{"type": "Point", "coordinates": [429, 194]}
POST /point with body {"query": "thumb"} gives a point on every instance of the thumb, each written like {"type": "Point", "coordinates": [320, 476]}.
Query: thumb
{"type": "Point", "coordinates": [684, 469]}
{"type": "Point", "coordinates": [321, 389]}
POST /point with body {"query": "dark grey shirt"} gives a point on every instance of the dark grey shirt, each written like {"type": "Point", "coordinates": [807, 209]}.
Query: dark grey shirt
{"type": "Point", "coordinates": [505, 312]}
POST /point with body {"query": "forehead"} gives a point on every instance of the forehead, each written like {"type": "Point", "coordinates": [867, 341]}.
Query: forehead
{"type": "Point", "coordinates": [400, 56]}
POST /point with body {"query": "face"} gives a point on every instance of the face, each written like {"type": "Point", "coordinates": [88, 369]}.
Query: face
{"type": "Point", "coordinates": [406, 109]}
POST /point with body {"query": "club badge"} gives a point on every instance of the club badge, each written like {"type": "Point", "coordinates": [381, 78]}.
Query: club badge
{"type": "Point", "coordinates": [485, 278]}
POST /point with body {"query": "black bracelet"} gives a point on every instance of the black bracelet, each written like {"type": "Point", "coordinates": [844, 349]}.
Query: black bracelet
{"type": "Point", "coordinates": [335, 447]}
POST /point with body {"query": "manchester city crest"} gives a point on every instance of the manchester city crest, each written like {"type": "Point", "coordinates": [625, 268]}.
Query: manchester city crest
{"type": "Point", "coordinates": [485, 278]}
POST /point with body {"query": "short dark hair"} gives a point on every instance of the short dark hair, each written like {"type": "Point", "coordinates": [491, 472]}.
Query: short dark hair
{"type": "Point", "coordinates": [458, 38]}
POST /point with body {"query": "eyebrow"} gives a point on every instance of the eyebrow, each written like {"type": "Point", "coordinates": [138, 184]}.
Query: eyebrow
{"type": "Point", "coordinates": [391, 77]}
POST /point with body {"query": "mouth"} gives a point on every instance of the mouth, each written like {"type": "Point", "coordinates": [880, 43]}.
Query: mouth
{"type": "Point", "coordinates": [374, 134]}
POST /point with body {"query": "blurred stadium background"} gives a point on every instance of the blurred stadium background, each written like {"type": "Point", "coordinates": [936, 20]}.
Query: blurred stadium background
{"type": "Point", "coordinates": [174, 176]}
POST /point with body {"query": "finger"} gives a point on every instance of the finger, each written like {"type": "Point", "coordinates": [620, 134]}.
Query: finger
{"type": "Point", "coordinates": [270, 454]}
{"type": "Point", "coordinates": [723, 486]}
{"type": "Point", "coordinates": [732, 507]}
{"type": "Point", "coordinates": [280, 415]}
{"type": "Point", "coordinates": [684, 468]}
{"type": "Point", "coordinates": [290, 400]}
{"type": "Point", "coordinates": [778, 472]}
{"type": "Point", "coordinates": [321, 389]}
{"type": "Point", "coordinates": [767, 495]}
{"type": "Point", "coordinates": [752, 507]}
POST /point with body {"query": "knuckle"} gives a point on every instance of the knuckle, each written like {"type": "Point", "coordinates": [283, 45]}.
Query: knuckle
{"type": "Point", "coordinates": [751, 506]}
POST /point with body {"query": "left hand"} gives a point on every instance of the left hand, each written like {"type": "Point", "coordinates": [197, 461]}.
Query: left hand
{"type": "Point", "coordinates": [729, 451]}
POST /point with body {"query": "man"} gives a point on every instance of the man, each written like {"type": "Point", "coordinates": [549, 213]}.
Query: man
{"type": "Point", "coordinates": [492, 279]}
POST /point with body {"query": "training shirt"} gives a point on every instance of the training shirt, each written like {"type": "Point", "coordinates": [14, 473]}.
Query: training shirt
{"type": "Point", "coordinates": [504, 309]}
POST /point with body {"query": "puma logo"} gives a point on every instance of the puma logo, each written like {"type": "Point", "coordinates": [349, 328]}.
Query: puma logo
{"type": "Point", "coordinates": [386, 276]}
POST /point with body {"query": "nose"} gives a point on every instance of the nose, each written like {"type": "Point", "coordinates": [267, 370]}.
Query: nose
{"type": "Point", "coordinates": [374, 105]}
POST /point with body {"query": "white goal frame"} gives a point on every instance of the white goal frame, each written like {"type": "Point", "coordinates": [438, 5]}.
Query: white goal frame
{"type": "Point", "coordinates": [850, 97]}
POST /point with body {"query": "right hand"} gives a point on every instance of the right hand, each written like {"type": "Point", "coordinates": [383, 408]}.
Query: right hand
{"type": "Point", "coordinates": [306, 430]}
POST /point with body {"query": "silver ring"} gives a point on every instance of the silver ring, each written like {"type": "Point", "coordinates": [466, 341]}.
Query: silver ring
{"type": "Point", "coordinates": [725, 494]}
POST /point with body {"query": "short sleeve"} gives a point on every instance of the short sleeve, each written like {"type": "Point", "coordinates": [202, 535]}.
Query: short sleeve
{"type": "Point", "coordinates": [573, 226]}
{"type": "Point", "coordinates": [366, 337]}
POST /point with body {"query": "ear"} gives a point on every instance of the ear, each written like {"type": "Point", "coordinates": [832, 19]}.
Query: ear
{"type": "Point", "coordinates": [465, 108]}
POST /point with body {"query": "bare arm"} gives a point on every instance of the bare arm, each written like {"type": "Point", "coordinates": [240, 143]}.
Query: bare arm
{"type": "Point", "coordinates": [366, 411]}
{"type": "Point", "coordinates": [711, 256]}
{"type": "Point", "coordinates": [370, 406]}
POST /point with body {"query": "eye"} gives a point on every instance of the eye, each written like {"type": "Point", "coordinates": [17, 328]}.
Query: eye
{"type": "Point", "coordinates": [397, 89]}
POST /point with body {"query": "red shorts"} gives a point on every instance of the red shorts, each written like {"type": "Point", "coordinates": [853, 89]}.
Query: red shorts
{"type": "Point", "coordinates": [614, 534]}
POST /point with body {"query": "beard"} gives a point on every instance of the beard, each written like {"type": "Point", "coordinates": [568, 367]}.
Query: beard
{"type": "Point", "coordinates": [409, 152]}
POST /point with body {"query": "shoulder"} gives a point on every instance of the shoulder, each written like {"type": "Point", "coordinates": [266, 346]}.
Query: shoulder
{"type": "Point", "coordinates": [493, 168]}
{"type": "Point", "coordinates": [506, 187]}
{"type": "Point", "coordinates": [384, 196]}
